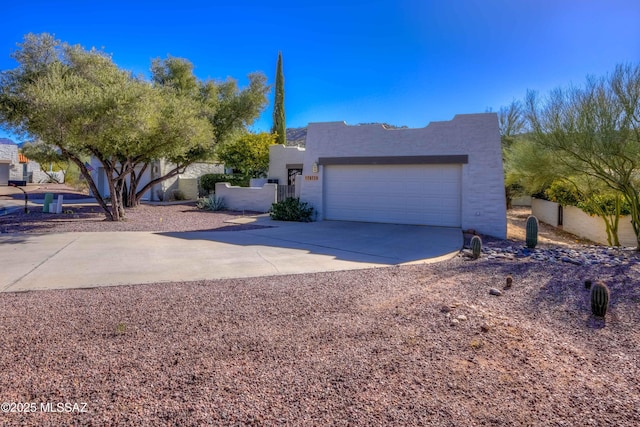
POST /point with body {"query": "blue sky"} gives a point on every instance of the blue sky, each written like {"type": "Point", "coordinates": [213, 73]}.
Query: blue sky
{"type": "Point", "coordinates": [403, 62]}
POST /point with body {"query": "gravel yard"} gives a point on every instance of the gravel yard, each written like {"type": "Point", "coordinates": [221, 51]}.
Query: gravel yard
{"type": "Point", "coordinates": [174, 217]}
{"type": "Point", "coordinates": [414, 345]}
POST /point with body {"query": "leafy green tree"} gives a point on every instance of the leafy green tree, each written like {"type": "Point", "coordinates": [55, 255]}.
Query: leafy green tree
{"type": "Point", "coordinates": [279, 123]}
{"type": "Point", "coordinates": [47, 157]}
{"type": "Point", "coordinates": [175, 73]}
{"type": "Point", "coordinates": [249, 154]}
{"type": "Point", "coordinates": [48, 97]}
{"type": "Point", "coordinates": [594, 131]}
{"type": "Point", "coordinates": [228, 109]}
{"type": "Point", "coordinates": [592, 197]}
{"type": "Point", "coordinates": [512, 125]}
{"type": "Point", "coordinates": [529, 167]}
{"type": "Point", "coordinates": [81, 104]}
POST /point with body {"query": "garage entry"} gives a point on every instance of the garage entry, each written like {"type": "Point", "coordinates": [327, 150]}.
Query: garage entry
{"type": "Point", "coordinates": [422, 194]}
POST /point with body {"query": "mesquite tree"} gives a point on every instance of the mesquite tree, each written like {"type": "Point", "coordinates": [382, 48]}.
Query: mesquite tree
{"type": "Point", "coordinates": [80, 103]}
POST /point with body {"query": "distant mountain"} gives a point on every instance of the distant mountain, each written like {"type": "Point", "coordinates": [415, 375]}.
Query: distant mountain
{"type": "Point", "coordinates": [384, 125]}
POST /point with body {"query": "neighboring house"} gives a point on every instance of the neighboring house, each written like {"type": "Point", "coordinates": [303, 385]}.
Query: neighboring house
{"type": "Point", "coordinates": [184, 185]}
{"type": "Point", "coordinates": [446, 174]}
{"type": "Point", "coordinates": [16, 167]}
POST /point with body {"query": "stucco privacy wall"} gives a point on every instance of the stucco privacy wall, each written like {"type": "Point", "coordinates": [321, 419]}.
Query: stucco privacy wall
{"type": "Point", "coordinates": [165, 189]}
{"type": "Point", "coordinates": [483, 204]}
{"type": "Point", "coordinates": [545, 211]}
{"type": "Point", "coordinates": [258, 199]}
{"type": "Point", "coordinates": [579, 223]}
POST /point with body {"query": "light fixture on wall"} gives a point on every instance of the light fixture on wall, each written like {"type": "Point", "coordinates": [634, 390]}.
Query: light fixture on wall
{"type": "Point", "coordinates": [314, 167]}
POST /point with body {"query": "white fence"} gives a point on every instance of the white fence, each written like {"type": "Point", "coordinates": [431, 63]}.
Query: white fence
{"type": "Point", "coordinates": [258, 199]}
{"type": "Point", "coordinates": [577, 222]}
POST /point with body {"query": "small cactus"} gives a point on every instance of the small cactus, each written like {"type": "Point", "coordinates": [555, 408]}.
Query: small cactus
{"type": "Point", "coordinates": [599, 299]}
{"type": "Point", "coordinates": [476, 246]}
{"type": "Point", "coordinates": [532, 232]}
{"type": "Point", "coordinates": [509, 282]}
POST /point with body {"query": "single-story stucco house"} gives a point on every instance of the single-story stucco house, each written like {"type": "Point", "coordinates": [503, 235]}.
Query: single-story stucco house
{"type": "Point", "coordinates": [15, 167]}
{"type": "Point", "coordinates": [186, 184]}
{"type": "Point", "coordinates": [446, 174]}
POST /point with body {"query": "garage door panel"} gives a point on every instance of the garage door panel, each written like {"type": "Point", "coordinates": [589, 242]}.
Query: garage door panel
{"type": "Point", "coordinates": [403, 194]}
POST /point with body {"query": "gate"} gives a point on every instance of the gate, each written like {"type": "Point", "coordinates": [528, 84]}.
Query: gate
{"type": "Point", "coordinates": [285, 191]}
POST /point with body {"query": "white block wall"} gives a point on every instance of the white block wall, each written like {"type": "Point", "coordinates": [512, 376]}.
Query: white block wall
{"type": "Point", "coordinates": [545, 211]}
{"type": "Point", "coordinates": [258, 199]}
{"type": "Point", "coordinates": [577, 222]}
{"type": "Point", "coordinates": [188, 187]}
{"type": "Point", "coordinates": [195, 170]}
{"type": "Point", "coordinates": [476, 135]}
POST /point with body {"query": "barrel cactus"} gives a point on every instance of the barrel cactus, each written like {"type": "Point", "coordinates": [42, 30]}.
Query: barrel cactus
{"type": "Point", "coordinates": [532, 232]}
{"type": "Point", "coordinates": [476, 246]}
{"type": "Point", "coordinates": [599, 299]}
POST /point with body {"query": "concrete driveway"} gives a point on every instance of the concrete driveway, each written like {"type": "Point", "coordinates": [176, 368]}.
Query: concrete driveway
{"type": "Point", "coordinates": [80, 260]}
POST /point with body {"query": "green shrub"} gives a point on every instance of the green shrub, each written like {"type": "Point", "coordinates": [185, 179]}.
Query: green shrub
{"type": "Point", "coordinates": [208, 181]}
{"type": "Point", "coordinates": [178, 195]}
{"type": "Point", "coordinates": [211, 203]}
{"type": "Point", "coordinates": [291, 209]}
{"type": "Point", "coordinates": [563, 193]}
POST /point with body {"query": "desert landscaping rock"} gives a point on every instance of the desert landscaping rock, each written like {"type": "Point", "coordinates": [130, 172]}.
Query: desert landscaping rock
{"type": "Point", "coordinates": [577, 255]}
{"type": "Point", "coordinates": [383, 346]}
{"type": "Point", "coordinates": [354, 347]}
{"type": "Point", "coordinates": [494, 291]}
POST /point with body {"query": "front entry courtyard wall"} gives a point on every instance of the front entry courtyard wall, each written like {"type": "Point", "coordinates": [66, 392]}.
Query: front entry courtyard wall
{"type": "Point", "coordinates": [445, 174]}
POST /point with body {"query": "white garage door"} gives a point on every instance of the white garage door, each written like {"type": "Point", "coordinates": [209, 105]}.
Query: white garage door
{"type": "Point", "coordinates": [398, 194]}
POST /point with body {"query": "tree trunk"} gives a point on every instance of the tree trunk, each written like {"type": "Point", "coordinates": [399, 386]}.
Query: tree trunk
{"type": "Point", "coordinates": [92, 185]}
{"type": "Point", "coordinates": [509, 197]}
{"type": "Point", "coordinates": [133, 196]}
{"type": "Point", "coordinates": [634, 203]}
{"type": "Point", "coordinates": [173, 172]}
{"type": "Point", "coordinates": [116, 198]}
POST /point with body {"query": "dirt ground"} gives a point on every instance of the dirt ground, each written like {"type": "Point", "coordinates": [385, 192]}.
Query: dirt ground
{"type": "Point", "coordinates": [547, 235]}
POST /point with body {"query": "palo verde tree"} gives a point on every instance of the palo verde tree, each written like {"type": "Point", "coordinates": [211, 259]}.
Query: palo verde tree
{"type": "Point", "coordinates": [594, 130]}
{"type": "Point", "coordinates": [279, 123]}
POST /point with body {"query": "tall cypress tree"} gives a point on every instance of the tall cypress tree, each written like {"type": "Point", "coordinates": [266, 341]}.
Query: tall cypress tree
{"type": "Point", "coordinates": [279, 125]}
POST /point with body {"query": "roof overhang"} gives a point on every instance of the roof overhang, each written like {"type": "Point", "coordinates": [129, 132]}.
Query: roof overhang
{"type": "Point", "coordinates": [396, 160]}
